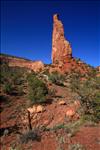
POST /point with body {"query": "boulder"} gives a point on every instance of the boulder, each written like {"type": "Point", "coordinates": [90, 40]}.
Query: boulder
{"type": "Point", "coordinates": [32, 110]}
{"type": "Point", "coordinates": [36, 109]}
{"type": "Point", "coordinates": [40, 109]}
{"type": "Point", "coordinates": [70, 112]}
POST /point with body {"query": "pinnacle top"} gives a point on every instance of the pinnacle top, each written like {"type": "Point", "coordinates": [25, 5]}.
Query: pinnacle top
{"type": "Point", "coordinates": [55, 17]}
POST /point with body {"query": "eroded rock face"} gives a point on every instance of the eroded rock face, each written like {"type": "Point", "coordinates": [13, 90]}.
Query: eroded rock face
{"type": "Point", "coordinates": [61, 48]}
{"type": "Point", "coordinates": [36, 66]}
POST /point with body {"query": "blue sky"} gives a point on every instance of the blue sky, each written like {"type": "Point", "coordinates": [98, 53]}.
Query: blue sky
{"type": "Point", "coordinates": [26, 28]}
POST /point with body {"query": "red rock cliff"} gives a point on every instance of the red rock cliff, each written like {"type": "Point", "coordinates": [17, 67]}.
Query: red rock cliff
{"type": "Point", "coordinates": [36, 66]}
{"type": "Point", "coordinates": [61, 48]}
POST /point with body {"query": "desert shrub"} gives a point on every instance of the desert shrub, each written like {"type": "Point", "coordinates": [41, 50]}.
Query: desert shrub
{"type": "Point", "coordinates": [18, 75]}
{"type": "Point", "coordinates": [56, 78]}
{"type": "Point", "coordinates": [30, 135]}
{"type": "Point", "coordinates": [20, 91]}
{"type": "Point", "coordinates": [52, 92]}
{"type": "Point", "coordinates": [57, 127]}
{"type": "Point", "coordinates": [11, 78]}
{"type": "Point", "coordinates": [46, 72]}
{"type": "Point", "coordinates": [90, 97]}
{"type": "Point", "coordinates": [96, 108]}
{"type": "Point", "coordinates": [75, 82]}
{"type": "Point", "coordinates": [7, 88]}
{"type": "Point", "coordinates": [76, 147]}
{"type": "Point", "coordinates": [77, 60]}
{"type": "Point", "coordinates": [4, 71]}
{"type": "Point", "coordinates": [11, 148]}
{"type": "Point", "coordinates": [88, 92]}
{"type": "Point", "coordinates": [37, 89]}
{"type": "Point", "coordinates": [92, 73]}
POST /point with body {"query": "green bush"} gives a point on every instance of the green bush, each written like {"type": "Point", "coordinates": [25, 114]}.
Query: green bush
{"type": "Point", "coordinates": [75, 82]}
{"type": "Point", "coordinates": [7, 88]}
{"type": "Point", "coordinates": [20, 91]}
{"type": "Point", "coordinates": [96, 108]}
{"type": "Point", "coordinates": [4, 71]}
{"type": "Point", "coordinates": [88, 91]}
{"type": "Point", "coordinates": [56, 78]}
{"type": "Point", "coordinates": [11, 78]}
{"type": "Point", "coordinates": [92, 73]}
{"type": "Point", "coordinates": [30, 135]}
{"type": "Point", "coordinates": [37, 89]}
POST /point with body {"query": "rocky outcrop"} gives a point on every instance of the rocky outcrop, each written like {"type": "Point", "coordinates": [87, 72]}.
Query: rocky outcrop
{"type": "Point", "coordinates": [36, 66]}
{"type": "Point", "coordinates": [36, 109]}
{"type": "Point", "coordinates": [62, 60]}
{"type": "Point", "coordinates": [98, 68]}
{"type": "Point", "coordinates": [61, 48]}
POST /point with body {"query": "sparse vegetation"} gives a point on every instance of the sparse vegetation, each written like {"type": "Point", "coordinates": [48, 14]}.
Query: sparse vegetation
{"type": "Point", "coordinates": [7, 88]}
{"type": "Point", "coordinates": [92, 73]}
{"type": "Point", "coordinates": [76, 147]}
{"type": "Point", "coordinates": [37, 89]}
{"type": "Point", "coordinates": [77, 60]}
{"type": "Point", "coordinates": [12, 78]}
{"type": "Point", "coordinates": [88, 92]}
{"type": "Point", "coordinates": [30, 135]}
{"type": "Point", "coordinates": [75, 82]}
{"type": "Point", "coordinates": [57, 78]}
{"type": "Point", "coordinates": [70, 128]}
{"type": "Point", "coordinates": [52, 92]}
{"type": "Point", "coordinates": [61, 142]}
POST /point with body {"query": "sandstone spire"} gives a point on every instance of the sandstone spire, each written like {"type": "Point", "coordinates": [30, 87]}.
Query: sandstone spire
{"type": "Point", "coordinates": [61, 48]}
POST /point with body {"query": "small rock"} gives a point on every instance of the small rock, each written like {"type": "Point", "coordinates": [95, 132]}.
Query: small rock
{"type": "Point", "coordinates": [98, 75]}
{"type": "Point", "coordinates": [77, 103]}
{"type": "Point", "coordinates": [40, 108]}
{"type": "Point", "coordinates": [6, 131]}
{"type": "Point", "coordinates": [62, 102]}
{"type": "Point", "coordinates": [32, 110]}
{"type": "Point", "coordinates": [70, 112]}
{"type": "Point", "coordinates": [46, 122]}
